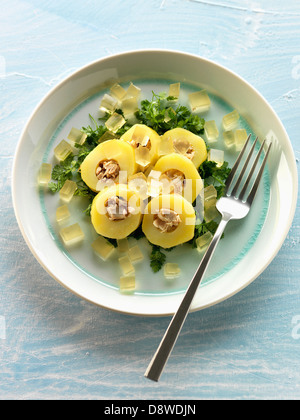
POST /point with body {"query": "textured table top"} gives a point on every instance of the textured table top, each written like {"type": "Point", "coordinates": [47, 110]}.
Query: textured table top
{"type": "Point", "coordinates": [53, 345]}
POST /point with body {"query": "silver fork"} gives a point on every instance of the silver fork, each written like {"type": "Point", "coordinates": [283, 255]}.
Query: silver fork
{"type": "Point", "coordinates": [235, 204]}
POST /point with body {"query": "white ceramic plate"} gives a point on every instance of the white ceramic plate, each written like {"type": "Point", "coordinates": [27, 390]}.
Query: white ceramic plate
{"type": "Point", "coordinates": [249, 245]}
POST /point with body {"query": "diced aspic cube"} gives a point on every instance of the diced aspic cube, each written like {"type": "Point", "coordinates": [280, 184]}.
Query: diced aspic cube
{"type": "Point", "coordinates": [68, 190]}
{"type": "Point", "coordinates": [229, 139]}
{"type": "Point", "coordinates": [127, 284]}
{"type": "Point", "coordinates": [123, 245]}
{"type": "Point", "coordinates": [108, 135]}
{"type": "Point", "coordinates": [62, 213]}
{"type": "Point", "coordinates": [169, 114]}
{"type": "Point", "coordinates": [240, 138]}
{"type": "Point", "coordinates": [72, 235]}
{"type": "Point", "coordinates": [108, 104]}
{"type": "Point", "coordinates": [199, 101]}
{"type": "Point", "coordinates": [135, 254]}
{"type": "Point", "coordinates": [211, 213]}
{"type": "Point", "coordinates": [44, 174]}
{"type": "Point", "coordinates": [115, 122]}
{"type": "Point", "coordinates": [171, 270]}
{"type": "Point", "coordinates": [126, 266]}
{"type": "Point", "coordinates": [230, 120]}
{"type": "Point", "coordinates": [103, 248]}
{"type": "Point", "coordinates": [138, 183]}
{"type": "Point", "coordinates": [166, 146]}
{"type": "Point", "coordinates": [62, 150]}
{"type": "Point", "coordinates": [154, 184]}
{"type": "Point", "coordinates": [77, 136]}
{"type": "Point", "coordinates": [129, 106]}
{"type": "Point", "coordinates": [133, 91]}
{"type": "Point", "coordinates": [181, 145]}
{"type": "Point", "coordinates": [203, 241]}
{"type": "Point", "coordinates": [211, 130]}
{"type": "Point", "coordinates": [148, 170]}
{"type": "Point", "coordinates": [117, 91]}
{"type": "Point", "coordinates": [210, 195]}
{"type": "Point", "coordinates": [174, 90]}
{"type": "Point", "coordinates": [217, 156]}
{"type": "Point", "coordinates": [142, 156]}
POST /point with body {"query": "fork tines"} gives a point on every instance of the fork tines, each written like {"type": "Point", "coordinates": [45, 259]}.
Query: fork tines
{"type": "Point", "coordinates": [237, 176]}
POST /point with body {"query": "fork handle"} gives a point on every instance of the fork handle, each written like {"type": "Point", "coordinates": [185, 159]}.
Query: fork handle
{"type": "Point", "coordinates": [168, 341]}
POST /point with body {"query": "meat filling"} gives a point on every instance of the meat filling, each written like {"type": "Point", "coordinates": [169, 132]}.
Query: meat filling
{"type": "Point", "coordinates": [166, 220]}
{"type": "Point", "coordinates": [176, 179]}
{"type": "Point", "coordinates": [190, 153]}
{"type": "Point", "coordinates": [117, 208]}
{"type": "Point", "coordinates": [184, 147]}
{"type": "Point", "coordinates": [145, 142]}
{"type": "Point", "coordinates": [107, 169]}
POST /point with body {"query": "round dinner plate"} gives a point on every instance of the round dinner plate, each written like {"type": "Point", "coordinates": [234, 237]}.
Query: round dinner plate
{"type": "Point", "coordinates": [248, 246]}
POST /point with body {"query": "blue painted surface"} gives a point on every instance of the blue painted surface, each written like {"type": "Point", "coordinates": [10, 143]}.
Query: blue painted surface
{"type": "Point", "coordinates": [53, 345]}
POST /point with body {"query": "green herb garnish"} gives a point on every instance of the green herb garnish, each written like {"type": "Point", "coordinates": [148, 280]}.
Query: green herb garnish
{"type": "Point", "coordinates": [157, 258]}
{"type": "Point", "coordinates": [153, 114]}
{"type": "Point", "coordinates": [212, 174]}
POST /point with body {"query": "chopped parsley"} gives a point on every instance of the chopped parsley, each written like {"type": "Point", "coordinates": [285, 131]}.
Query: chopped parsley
{"type": "Point", "coordinates": [157, 258]}
{"type": "Point", "coordinates": [62, 172]}
{"type": "Point", "coordinates": [153, 114]}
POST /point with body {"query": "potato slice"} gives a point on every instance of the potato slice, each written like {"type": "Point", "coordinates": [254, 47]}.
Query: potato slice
{"type": "Point", "coordinates": [110, 152]}
{"type": "Point", "coordinates": [196, 151]}
{"type": "Point", "coordinates": [183, 229]}
{"type": "Point", "coordinates": [140, 134]}
{"type": "Point", "coordinates": [116, 212]}
{"type": "Point", "coordinates": [179, 164]}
